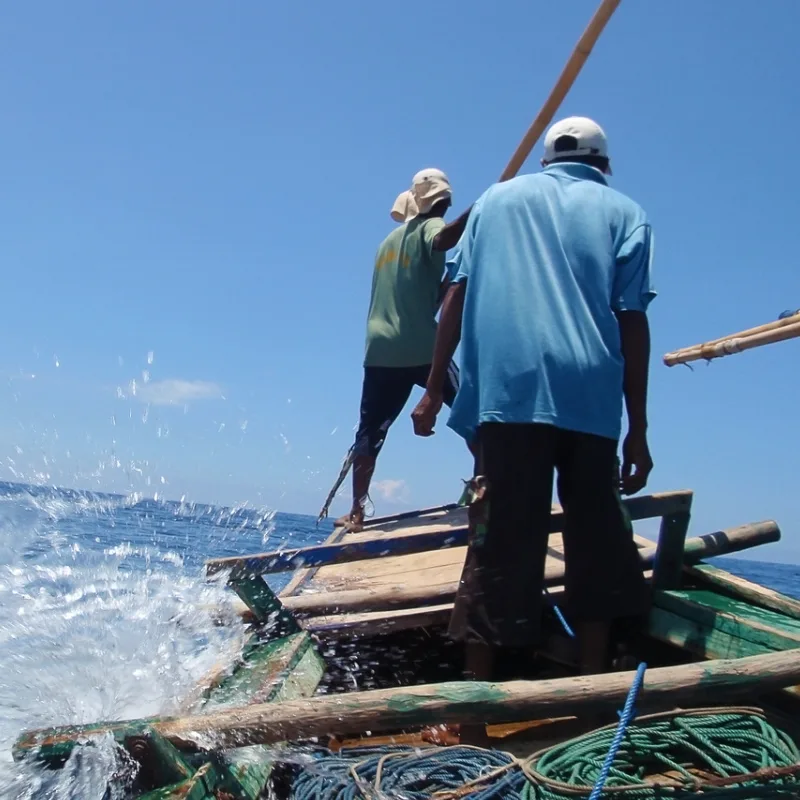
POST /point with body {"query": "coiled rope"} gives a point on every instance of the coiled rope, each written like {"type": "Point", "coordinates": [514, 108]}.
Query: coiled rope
{"type": "Point", "coordinates": [716, 754]}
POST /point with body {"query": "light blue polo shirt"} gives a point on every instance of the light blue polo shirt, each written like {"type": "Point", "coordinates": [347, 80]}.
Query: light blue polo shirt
{"type": "Point", "coordinates": [547, 259]}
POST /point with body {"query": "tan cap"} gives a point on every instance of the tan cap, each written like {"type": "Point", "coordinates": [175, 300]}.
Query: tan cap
{"type": "Point", "coordinates": [428, 187]}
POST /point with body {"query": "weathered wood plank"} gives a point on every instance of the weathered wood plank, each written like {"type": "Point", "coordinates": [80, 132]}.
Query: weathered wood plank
{"type": "Point", "coordinates": [738, 587]}
{"type": "Point", "coordinates": [326, 554]}
{"type": "Point", "coordinates": [271, 671]}
{"type": "Point", "coordinates": [698, 639]}
{"type": "Point", "coordinates": [373, 623]}
{"type": "Point", "coordinates": [709, 642]}
{"type": "Point", "coordinates": [302, 576]}
{"type": "Point", "coordinates": [386, 546]}
{"type": "Point", "coordinates": [377, 522]}
{"type": "Point", "coordinates": [260, 674]}
{"type": "Point", "coordinates": [395, 597]}
{"type": "Point", "coordinates": [735, 617]}
{"type": "Point", "coordinates": [462, 702]}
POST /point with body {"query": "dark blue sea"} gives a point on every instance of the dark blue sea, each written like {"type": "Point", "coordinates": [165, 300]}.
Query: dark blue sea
{"type": "Point", "coordinates": [105, 613]}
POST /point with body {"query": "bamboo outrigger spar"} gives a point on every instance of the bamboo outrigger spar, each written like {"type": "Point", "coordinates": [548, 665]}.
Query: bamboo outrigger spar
{"type": "Point", "coordinates": [778, 331]}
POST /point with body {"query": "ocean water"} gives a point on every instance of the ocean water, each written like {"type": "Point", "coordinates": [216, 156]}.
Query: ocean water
{"type": "Point", "coordinates": [105, 614]}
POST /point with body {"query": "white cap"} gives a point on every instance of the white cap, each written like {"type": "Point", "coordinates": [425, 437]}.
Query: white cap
{"type": "Point", "coordinates": [428, 187]}
{"type": "Point", "coordinates": [590, 139]}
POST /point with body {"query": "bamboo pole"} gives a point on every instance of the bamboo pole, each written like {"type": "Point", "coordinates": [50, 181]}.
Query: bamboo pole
{"type": "Point", "coordinates": [767, 326]}
{"type": "Point", "coordinates": [563, 85]}
{"type": "Point", "coordinates": [453, 702]}
{"type": "Point", "coordinates": [736, 343]}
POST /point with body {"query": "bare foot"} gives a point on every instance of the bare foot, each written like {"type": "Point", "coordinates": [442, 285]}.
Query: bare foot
{"type": "Point", "coordinates": [352, 522]}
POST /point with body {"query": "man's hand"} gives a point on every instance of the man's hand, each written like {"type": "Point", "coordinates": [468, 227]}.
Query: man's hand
{"type": "Point", "coordinates": [635, 456]}
{"type": "Point", "coordinates": [424, 415]}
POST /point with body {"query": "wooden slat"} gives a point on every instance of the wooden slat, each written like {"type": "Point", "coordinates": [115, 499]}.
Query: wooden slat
{"type": "Point", "coordinates": [380, 547]}
{"type": "Point", "coordinates": [377, 522]}
{"type": "Point", "coordinates": [403, 596]}
{"type": "Point", "coordinates": [698, 639]}
{"type": "Point", "coordinates": [303, 576]}
{"type": "Point", "coordinates": [734, 617]}
{"type": "Point", "coordinates": [738, 587]}
{"type": "Point", "coordinates": [324, 555]}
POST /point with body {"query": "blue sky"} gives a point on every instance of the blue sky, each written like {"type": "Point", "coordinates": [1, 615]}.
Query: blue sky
{"type": "Point", "coordinates": [195, 190]}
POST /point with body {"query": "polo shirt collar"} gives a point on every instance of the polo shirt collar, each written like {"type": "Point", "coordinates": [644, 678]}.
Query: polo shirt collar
{"type": "Point", "coordinates": [581, 172]}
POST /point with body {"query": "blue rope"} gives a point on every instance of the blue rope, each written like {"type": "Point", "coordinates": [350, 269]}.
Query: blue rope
{"type": "Point", "coordinates": [628, 713]}
{"type": "Point", "coordinates": [561, 618]}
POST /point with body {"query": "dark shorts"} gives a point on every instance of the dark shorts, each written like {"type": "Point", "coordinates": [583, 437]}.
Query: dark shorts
{"type": "Point", "coordinates": [383, 396]}
{"type": "Point", "coordinates": [500, 596]}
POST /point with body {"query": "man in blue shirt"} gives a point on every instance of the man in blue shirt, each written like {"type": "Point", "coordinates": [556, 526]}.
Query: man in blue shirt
{"type": "Point", "coordinates": [551, 283]}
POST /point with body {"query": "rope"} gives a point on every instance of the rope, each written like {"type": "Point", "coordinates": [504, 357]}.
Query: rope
{"type": "Point", "coordinates": [624, 720]}
{"type": "Point", "coordinates": [716, 754]}
{"type": "Point", "coordinates": [561, 618]}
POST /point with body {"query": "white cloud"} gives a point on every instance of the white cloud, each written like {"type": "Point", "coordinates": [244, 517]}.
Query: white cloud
{"type": "Point", "coordinates": [175, 392]}
{"type": "Point", "coordinates": [392, 490]}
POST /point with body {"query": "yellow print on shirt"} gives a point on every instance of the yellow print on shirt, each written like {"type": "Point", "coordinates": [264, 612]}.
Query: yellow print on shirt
{"type": "Point", "coordinates": [390, 256]}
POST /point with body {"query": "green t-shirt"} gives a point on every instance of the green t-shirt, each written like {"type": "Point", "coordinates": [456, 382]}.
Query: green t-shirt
{"type": "Point", "coordinates": [401, 327]}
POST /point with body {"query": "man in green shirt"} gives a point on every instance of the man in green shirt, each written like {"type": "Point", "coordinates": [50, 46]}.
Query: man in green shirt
{"type": "Point", "coordinates": [408, 284]}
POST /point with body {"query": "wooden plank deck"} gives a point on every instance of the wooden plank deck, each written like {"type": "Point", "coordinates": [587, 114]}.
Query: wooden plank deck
{"type": "Point", "coordinates": [436, 570]}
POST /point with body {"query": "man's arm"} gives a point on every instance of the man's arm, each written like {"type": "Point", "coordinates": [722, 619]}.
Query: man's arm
{"type": "Point", "coordinates": [634, 331]}
{"type": "Point", "coordinates": [448, 237]}
{"type": "Point", "coordinates": [448, 336]}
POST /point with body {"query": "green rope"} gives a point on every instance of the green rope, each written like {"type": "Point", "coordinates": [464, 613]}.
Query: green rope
{"type": "Point", "coordinates": [696, 749]}
{"type": "Point", "coordinates": [713, 754]}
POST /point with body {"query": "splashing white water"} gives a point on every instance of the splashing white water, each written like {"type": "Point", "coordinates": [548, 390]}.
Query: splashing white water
{"type": "Point", "coordinates": [98, 620]}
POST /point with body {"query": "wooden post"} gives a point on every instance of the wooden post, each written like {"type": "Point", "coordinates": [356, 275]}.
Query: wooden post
{"type": "Point", "coordinates": [460, 702]}
{"type": "Point", "coordinates": [276, 620]}
{"type": "Point", "coordinates": [160, 762]}
{"type": "Point", "coordinates": [668, 564]}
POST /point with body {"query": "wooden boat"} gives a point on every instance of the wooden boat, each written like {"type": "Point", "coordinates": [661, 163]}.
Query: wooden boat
{"type": "Point", "coordinates": [353, 651]}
